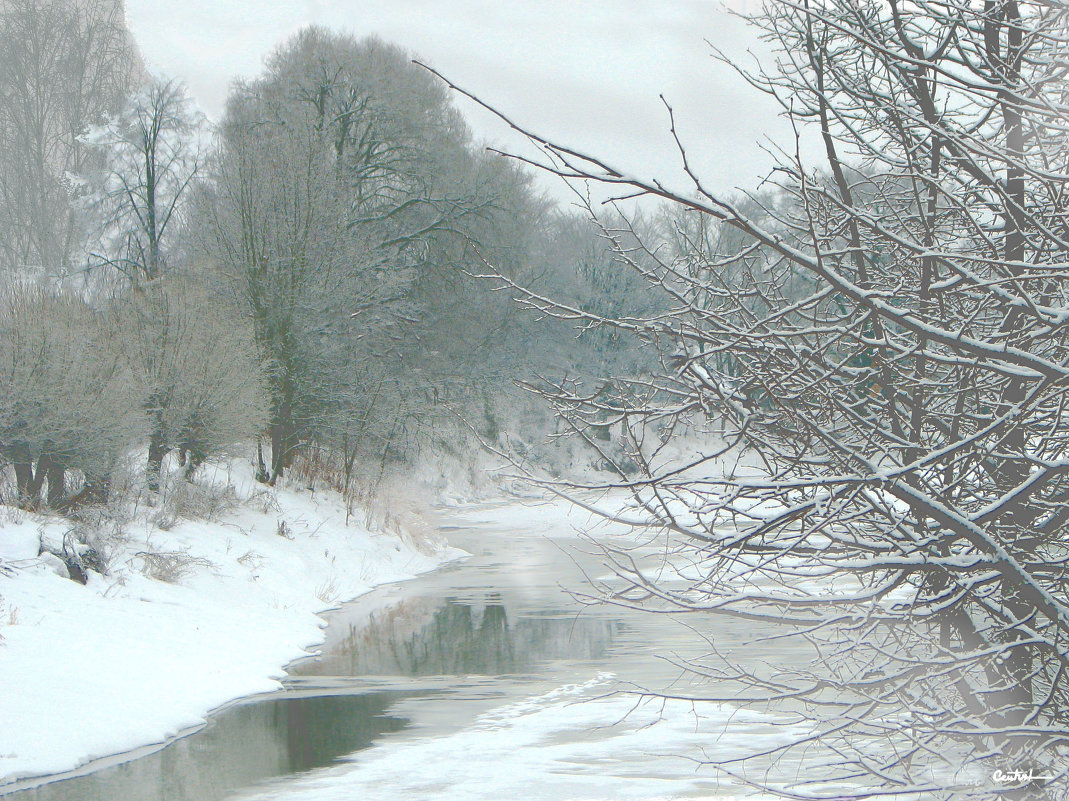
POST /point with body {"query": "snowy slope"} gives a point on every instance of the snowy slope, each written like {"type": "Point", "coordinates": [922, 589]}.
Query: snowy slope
{"type": "Point", "coordinates": [130, 660]}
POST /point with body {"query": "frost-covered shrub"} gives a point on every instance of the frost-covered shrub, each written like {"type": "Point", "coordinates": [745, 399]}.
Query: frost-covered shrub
{"type": "Point", "coordinates": [66, 399]}
{"type": "Point", "coordinates": [170, 566]}
{"type": "Point", "coordinates": [196, 368]}
{"type": "Point", "coordinates": [186, 500]}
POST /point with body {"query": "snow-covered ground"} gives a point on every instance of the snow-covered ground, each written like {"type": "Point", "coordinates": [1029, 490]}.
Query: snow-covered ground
{"type": "Point", "coordinates": [191, 614]}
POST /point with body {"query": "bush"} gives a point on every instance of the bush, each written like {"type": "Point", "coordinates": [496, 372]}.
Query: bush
{"type": "Point", "coordinates": [185, 500]}
{"type": "Point", "coordinates": [66, 399]}
{"type": "Point", "coordinates": [170, 566]}
{"type": "Point", "coordinates": [196, 371]}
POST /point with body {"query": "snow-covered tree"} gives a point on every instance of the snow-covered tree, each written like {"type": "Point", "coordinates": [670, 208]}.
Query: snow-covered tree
{"type": "Point", "coordinates": [63, 67]}
{"type": "Point", "coordinates": [67, 400]}
{"type": "Point", "coordinates": [899, 387]}
{"type": "Point", "coordinates": [193, 361]}
{"type": "Point", "coordinates": [151, 152]}
{"type": "Point", "coordinates": [149, 156]}
{"type": "Point", "coordinates": [348, 204]}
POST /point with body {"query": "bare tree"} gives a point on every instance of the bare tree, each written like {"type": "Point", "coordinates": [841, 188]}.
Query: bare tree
{"type": "Point", "coordinates": [896, 409]}
{"type": "Point", "coordinates": [67, 401]}
{"type": "Point", "coordinates": [151, 154]}
{"type": "Point", "coordinates": [193, 361]}
{"type": "Point", "coordinates": [278, 228]}
{"type": "Point", "coordinates": [346, 205]}
{"type": "Point", "coordinates": [63, 66]}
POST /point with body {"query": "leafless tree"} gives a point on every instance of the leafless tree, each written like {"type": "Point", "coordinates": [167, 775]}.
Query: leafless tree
{"type": "Point", "coordinates": [346, 203]}
{"type": "Point", "coordinates": [895, 409]}
{"type": "Point", "coordinates": [278, 222]}
{"type": "Point", "coordinates": [193, 362]}
{"type": "Point", "coordinates": [67, 401]}
{"type": "Point", "coordinates": [64, 64]}
{"type": "Point", "coordinates": [151, 155]}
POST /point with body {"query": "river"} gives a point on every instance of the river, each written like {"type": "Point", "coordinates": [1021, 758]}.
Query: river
{"type": "Point", "coordinates": [484, 680]}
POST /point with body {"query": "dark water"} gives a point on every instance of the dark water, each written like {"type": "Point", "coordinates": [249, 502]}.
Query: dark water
{"type": "Point", "coordinates": [477, 632]}
{"type": "Point", "coordinates": [242, 745]}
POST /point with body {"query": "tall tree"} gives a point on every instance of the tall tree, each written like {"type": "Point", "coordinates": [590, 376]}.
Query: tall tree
{"type": "Point", "coordinates": [63, 66]}
{"type": "Point", "coordinates": [151, 152]}
{"type": "Point", "coordinates": [348, 200]}
{"type": "Point", "coordinates": [150, 155]}
{"type": "Point", "coordinates": [904, 515]}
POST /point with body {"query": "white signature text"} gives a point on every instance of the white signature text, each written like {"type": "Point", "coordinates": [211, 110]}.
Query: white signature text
{"type": "Point", "coordinates": [1017, 777]}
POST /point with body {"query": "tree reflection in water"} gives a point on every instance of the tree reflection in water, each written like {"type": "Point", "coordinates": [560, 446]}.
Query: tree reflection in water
{"type": "Point", "coordinates": [417, 636]}
{"type": "Point", "coordinates": [242, 745]}
{"type": "Point", "coordinates": [428, 637]}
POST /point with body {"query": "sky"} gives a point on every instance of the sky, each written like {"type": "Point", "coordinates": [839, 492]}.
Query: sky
{"type": "Point", "coordinates": [584, 73]}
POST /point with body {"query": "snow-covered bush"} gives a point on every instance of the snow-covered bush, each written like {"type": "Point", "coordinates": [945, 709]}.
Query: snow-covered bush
{"type": "Point", "coordinates": [170, 566]}
{"type": "Point", "coordinates": [188, 500]}
{"type": "Point", "coordinates": [196, 369]}
{"type": "Point", "coordinates": [66, 398]}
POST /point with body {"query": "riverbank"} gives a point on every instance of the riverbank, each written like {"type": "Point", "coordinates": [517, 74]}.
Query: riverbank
{"type": "Point", "coordinates": [189, 614]}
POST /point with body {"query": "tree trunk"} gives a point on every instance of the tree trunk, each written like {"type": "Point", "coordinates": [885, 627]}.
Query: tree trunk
{"type": "Point", "coordinates": [156, 451]}
{"type": "Point", "coordinates": [283, 440]}
{"type": "Point", "coordinates": [24, 485]}
{"type": "Point", "coordinates": [1014, 467]}
{"type": "Point", "coordinates": [55, 473]}
{"type": "Point", "coordinates": [277, 438]}
{"type": "Point", "coordinates": [195, 460]}
{"type": "Point", "coordinates": [261, 469]}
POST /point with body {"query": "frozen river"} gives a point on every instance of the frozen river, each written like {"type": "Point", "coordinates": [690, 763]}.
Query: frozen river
{"type": "Point", "coordinates": [484, 680]}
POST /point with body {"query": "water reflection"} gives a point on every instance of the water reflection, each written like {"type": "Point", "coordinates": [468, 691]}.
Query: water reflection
{"type": "Point", "coordinates": [426, 637]}
{"type": "Point", "coordinates": [414, 637]}
{"type": "Point", "coordinates": [243, 745]}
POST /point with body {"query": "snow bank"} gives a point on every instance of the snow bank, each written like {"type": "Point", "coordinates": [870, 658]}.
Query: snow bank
{"type": "Point", "coordinates": [190, 616]}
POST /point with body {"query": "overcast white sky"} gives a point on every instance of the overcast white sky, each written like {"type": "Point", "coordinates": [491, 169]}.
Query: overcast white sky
{"type": "Point", "coordinates": [584, 72]}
